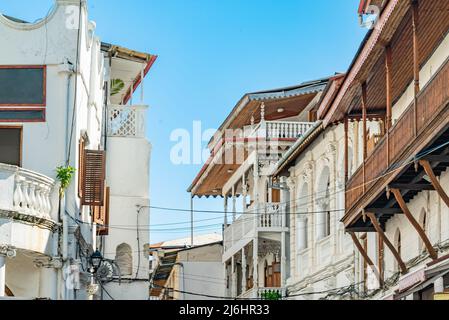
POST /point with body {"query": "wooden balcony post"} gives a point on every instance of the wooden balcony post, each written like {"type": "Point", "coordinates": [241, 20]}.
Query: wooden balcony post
{"type": "Point", "coordinates": [415, 26]}
{"type": "Point", "coordinates": [388, 82]}
{"type": "Point", "coordinates": [387, 242]}
{"type": "Point", "coordinates": [346, 149]}
{"type": "Point", "coordinates": [415, 224]}
{"type": "Point", "coordinates": [365, 137]}
{"type": "Point", "coordinates": [388, 60]}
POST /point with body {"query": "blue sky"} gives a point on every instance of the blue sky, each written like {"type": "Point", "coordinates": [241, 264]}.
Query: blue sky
{"type": "Point", "coordinates": [211, 52]}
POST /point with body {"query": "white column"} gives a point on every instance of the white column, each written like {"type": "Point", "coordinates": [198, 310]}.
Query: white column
{"type": "Point", "coordinates": [301, 232]}
{"type": "Point", "coordinates": [256, 182]}
{"type": "Point", "coordinates": [283, 260]}
{"type": "Point", "coordinates": [226, 211]}
{"type": "Point", "coordinates": [234, 205]}
{"type": "Point", "coordinates": [48, 285]}
{"type": "Point", "coordinates": [2, 275]}
{"type": "Point", "coordinates": [320, 220]}
{"type": "Point", "coordinates": [256, 262]}
{"type": "Point", "coordinates": [244, 192]}
{"type": "Point", "coordinates": [234, 279]}
{"type": "Point", "coordinates": [244, 288]}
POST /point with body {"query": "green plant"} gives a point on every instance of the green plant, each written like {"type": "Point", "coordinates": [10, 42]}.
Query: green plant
{"type": "Point", "coordinates": [65, 176]}
{"type": "Point", "coordinates": [271, 295]}
{"type": "Point", "coordinates": [117, 85]}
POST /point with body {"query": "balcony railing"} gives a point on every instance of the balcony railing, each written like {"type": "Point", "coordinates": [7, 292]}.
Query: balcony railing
{"type": "Point", "coordinates": [279, 130]}
{"type": "Point", "coordinates": [126, 121]}
{"type": "Point", "coordinates": [430, 101]}
{"type": "Point", "coordinates": [266, 217]}
{"type": "Point", "coordinates": [264, 293]}
{"type": "Point", "coordinates": [27, 193]}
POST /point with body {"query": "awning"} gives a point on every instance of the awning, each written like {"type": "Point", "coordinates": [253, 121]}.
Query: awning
{"type": "Point", "coordinates": [425, 284]}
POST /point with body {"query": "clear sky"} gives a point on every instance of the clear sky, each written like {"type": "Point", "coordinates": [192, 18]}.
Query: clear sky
{"type": "Point", "coordinates": [210, 53]}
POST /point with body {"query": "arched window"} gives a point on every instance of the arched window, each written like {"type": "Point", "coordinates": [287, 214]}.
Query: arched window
{"type": "Point", "coordinates": [423, 221]}
{"type": "Point", "coordinates": [124, 259]}
{"type": "Point", "coordinates": [323, 221]}
{"type": "Point", "coordinates": [302, 218]}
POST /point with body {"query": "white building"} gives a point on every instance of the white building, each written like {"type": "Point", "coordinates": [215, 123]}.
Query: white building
{"type": "Point", "coordinates": [312, 171]}
{"type": "Point", "coordinates": [185, 272]}
{"type": "Point", "coordinates": [259, 129]}
{"type": "Point", "coordinates": [397, 207]}
{"type": "Point", "coordinates": [55, 111]}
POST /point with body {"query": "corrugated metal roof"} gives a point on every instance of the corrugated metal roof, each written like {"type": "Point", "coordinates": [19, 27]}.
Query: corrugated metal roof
{"type": "Point", "coordinates": [292, 91]}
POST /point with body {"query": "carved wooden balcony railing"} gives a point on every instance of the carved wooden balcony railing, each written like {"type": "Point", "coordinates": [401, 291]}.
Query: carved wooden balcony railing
{"type": "Point", "coordinates": [432, 100]}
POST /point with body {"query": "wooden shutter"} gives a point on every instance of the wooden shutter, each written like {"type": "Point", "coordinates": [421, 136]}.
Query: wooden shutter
{"type": "Point", "coordinates": [81, 151]}
{"type": "Point", "coordinates": [94, 174]}
{"type": "Point", "coordinates": [101, 215]}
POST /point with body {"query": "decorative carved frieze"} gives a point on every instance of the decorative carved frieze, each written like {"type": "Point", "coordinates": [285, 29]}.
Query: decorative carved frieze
{"type": "Point", "coordinates": [7, 251]}
{"type": "Point", "coordinates": [49, 262]}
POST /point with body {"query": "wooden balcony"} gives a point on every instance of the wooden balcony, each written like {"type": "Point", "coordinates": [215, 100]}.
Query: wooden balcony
{"type": "Point", "coordinates": [420, 126]}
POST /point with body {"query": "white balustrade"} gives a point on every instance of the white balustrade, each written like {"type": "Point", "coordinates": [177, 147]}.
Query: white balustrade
{"type": "Point", "coordinates": [266, 216]}
{"type": "Point", "coordinates": [26, 192]}
{"type": "Point", "coordinates": [272, 215]}
{"type": "Point", "coordinates": [279, 130]}
{"type": "Point", "coordinates": [126, 121]}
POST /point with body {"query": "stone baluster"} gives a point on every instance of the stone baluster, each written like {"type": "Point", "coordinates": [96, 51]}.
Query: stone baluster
{"type": "Point", "coordinates": [18, 194]}
{"type": "Point", "coordinates": [38, 205]}
{"type": "Point", "coordinates": [26, 196]}
{"type": "Point", "coordinates": [33, 200]}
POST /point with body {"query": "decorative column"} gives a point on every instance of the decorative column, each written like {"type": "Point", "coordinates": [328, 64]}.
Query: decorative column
{"type": "Point", "coordinates": [5, 252]}
{"type": "Point", "coordinates": [244, 287]}
{"type": "Point", "coordinates": [234, 205]}
{"type": "Point", "coordinates": [244, 192]}
{"type": "Point", "coordinates": [256, 262]}
{"type": "Point", "coordinates": [234, 279]}
{"type": "Point", "coordinates": [301, 229]}
{"type": "Point", "coordinates": [283, 260]}
{"type": "Point", "coordinates": [225, 211]}
{"type": "Point", "coordinates": [48, 283]}
{"type": "Point", "coordinates": [320, 223]}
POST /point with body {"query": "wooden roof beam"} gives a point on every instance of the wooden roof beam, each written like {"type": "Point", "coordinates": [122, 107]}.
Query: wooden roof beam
{"type": "Point", "coordinates": [415, 224]}
{"type": "Point", "coordinates": [436, 184]}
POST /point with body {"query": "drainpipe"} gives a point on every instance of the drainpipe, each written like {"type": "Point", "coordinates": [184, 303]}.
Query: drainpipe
{"type": "Point", "coordinates": [66, 68]}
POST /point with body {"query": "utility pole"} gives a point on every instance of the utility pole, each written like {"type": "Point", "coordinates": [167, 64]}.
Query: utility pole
{"type": "Point", "coordinates": [191, 219]}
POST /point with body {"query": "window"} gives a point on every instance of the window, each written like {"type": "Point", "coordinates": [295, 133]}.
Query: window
{"type": "Point", "coordinates": [124, 259]}
{"type": "Point", "coordinates": [22, 93]}
{"type": "Point", "coordinates": [328, 213]}
{"type": "Point", "coordinates": [424, 223]}
{"type": "Point", "coordinates": [11, 145]}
